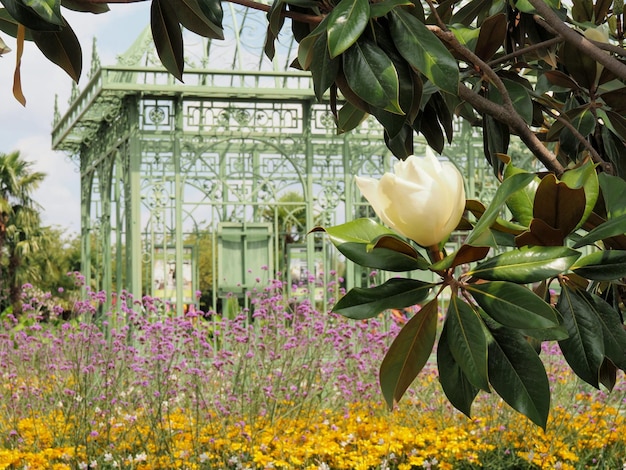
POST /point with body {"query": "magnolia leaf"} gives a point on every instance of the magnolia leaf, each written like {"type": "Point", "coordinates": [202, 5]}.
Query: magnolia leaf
{"type": "Point", "coordinates": [9, 25]}
{"type": "Point", "coordinates": [346, 23]}
{"type": "Point", "coordinates": [167, 36]}
{"type": "Point", "coordinates": [465, 254]}
{"type": "Point", "coordinates": [468, 13]}
{"type": "Point", "coordinates": [380, 9]}
{"type": "Point", "coordinates": [616, 123]}
{"type": "Point", "coordinates": [17, 78]}
{"type": "Point", "coordinates": [580, 66]}
{"type": "Point", "coordinates": [526, 265]}
{"type": "Point", "coordinates": [355, 240]}
{"type": "Point", "coordinates": [613, 332]}
{"type": "Point", "coordinates": [561, 79]}
{"type": "Point", "coordinates": [397, 293]}
{"type": "Point", "coordinates": [491, 37]}
{"type": "Point", "coordinates": [213, 10]}
{"type": "Point", "coordinates": [62, 48]}
{"type": "Point", "coordinates": [581, 118]}
{"type": "Point", "coordinates": [193, 17]}
{"type": "Point", "coordinates": [408, 353]}
{"type": "Point", "coordinates": [539, 233]}
{"type": "Point", "coordinates": [508, 187]}
{"type": "Point", "coordinates": [77, 5]}
{"type": "Point", "coordinates": [455, 384]}
{"type": "Point", "coordinates": [521, 202]}
{"type": "Point", "coordinates": [513, 305]}
{"type": "Point", "coordinates": [423, 50]}
{"type": "Point", "coordinates": [613, 194]}
{"type": "Point", "coordinates": [496, 139]}
{"type": "Point", "coordinates": [558, 205]}
{"type": "Point", "coordinates": [40, 16]}
{"type": "Point", "coordinates": [517, 374]}
{"type": "Point", "coordinates": [608, 229]}
{"type": "Point", "coordinates": [608, 374]}
{"type": "Point", "coordinates": [519, 96]}
{"type": "Point", "coordinates": [428, 124]}
{"type": "Point", "coordinates": [372, 76]}
{"type": "Point", "coordinates": [584, 349]}
{"type": "Point", "coordinates": [324, 70]}
{"type": "Point", "coordinates": [467, 342]}
{"type": "Point", "coordinates": [605, 265]}
{"type": "Point", "coordinates": [349, 117]}
{"type": "Point", "coordinates": [584, 177]}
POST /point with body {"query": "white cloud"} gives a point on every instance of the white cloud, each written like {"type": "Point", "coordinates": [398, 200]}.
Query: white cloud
{"type": "Point", "coordinates": [27, 129]}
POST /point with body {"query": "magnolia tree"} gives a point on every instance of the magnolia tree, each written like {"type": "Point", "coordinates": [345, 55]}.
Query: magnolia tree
{"type": "Point", "coordinates": [551, 74]}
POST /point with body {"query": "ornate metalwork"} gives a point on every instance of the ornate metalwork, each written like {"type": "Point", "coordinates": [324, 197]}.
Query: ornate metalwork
{"type": "Point", "coordinates": [161, 162]}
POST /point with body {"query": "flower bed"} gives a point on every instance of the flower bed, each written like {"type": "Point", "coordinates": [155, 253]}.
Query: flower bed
{"type": "Point", "coordinates": [280, 386]}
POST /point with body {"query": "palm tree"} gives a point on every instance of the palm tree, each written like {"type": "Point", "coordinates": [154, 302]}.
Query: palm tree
{"type": "Point", "coordinates": [20, 230]}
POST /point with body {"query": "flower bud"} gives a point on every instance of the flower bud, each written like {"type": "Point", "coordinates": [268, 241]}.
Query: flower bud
{"type": "Point", "coordinates": [423, 200]}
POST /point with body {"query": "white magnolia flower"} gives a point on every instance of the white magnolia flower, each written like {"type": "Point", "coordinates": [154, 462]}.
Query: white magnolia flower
{"type": "Point", "coordinates": [423, 199]}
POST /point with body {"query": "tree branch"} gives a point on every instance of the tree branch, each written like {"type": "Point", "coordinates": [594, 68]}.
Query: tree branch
{"type": "Point", "coordinates": [504, 113]}
{"type": "Point", "coordinates": [516, 123]}
{"type": "Point", "coordinates": [578, 40]}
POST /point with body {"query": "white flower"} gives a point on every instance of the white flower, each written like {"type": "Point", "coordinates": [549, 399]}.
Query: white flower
{"type": "Point", "coordinates": [424, 200]}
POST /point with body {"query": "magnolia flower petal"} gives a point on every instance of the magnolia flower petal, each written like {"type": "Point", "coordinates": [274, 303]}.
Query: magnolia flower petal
{"type": "Point", "coordinates": [424, 200]}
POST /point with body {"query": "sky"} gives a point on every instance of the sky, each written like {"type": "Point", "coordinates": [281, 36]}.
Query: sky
{"type": "Point", "coordinates": [28, 129]}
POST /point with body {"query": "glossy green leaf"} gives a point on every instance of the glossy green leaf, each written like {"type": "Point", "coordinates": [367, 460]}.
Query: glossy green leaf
{"type": "Point", "coordinates": [616, 123]}
{"type": "Point", "coordinates": [362, 303]}
{"type": "Point", "coordinates": [614, 194]}
{"type": "Point", "coordinates": [192, 17]}
{"type": "Point", "coordinates": [275, 17]}
{"type": "Point", "coordinates": [468, 13]}
{"type": "Point", "coordinates": [346, 24]}
{"type": "Point", "coordinates": [527, 264]}
{"type": "Point", "coordinates": [8, 25]}
{"type": "Point", "coordinates": [604, 265]}
{"type": "Point", "coordinates": [355, 240]}
{"type": "Point", "coordinates": [62, 48]}
{"type": "Point", "coordinates": [349, 117]}
{"type": "Point", "coordinates": [423, 50]}
{"type": "Point", "coordinates": [167, 36]}
{"type": "Point", "coordinates": [408, 353]}
{"type": "Point", "coordinates": [382, 8]}
{"type": "Point", "coordinates": [48, 10]}
{"type": "Point", "coordinates": [455, 384]}
{"type": "Point", "coordinates": [584, 349]}
{"type": "Point", "coordinates": [465, 254]}
{"type": "Point", "coordinates": [213, 11]}
{"type": "Point", "coordinates": [496, 139]}
{"type": "Point", "coordinates": [581, 118]}
{"type": "Point", "coordinates": [613, 332]}
{"type": "Point", "coordinates": [513, 305]}
{"type": "Point", "coordinates": [77, 5]}
{"type": "Point", "coordinates": [492, 35]}
{"type": "Point", "coordinates": [467, 342]}
{"type": "Point", "coordinates": [31, 19]}
{"type": "Point", "coordinates": [467, 36]}
{"type": "Point", "coordinates": [584, 177]}
{"type": "Point", "coordinates": [372, 76]}
{"type": "Point", "coordinates": [508, 187]}
{"type": "Point", "coordinates": [608, 229]}
{"type": "Point", "coordinates": [517, 374]}
{"type": "Point", "coordinates": [580, 66]}
{"type": "Point", "coordinates": [519, 96]}
{"type": "Point", "coordinates": [324, 70]}
{"type": "Point", "coordinates": [521, 202]}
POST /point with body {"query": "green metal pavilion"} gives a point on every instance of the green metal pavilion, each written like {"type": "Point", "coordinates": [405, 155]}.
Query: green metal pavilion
{"type": "Point", "coordinates": [241, 152]}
